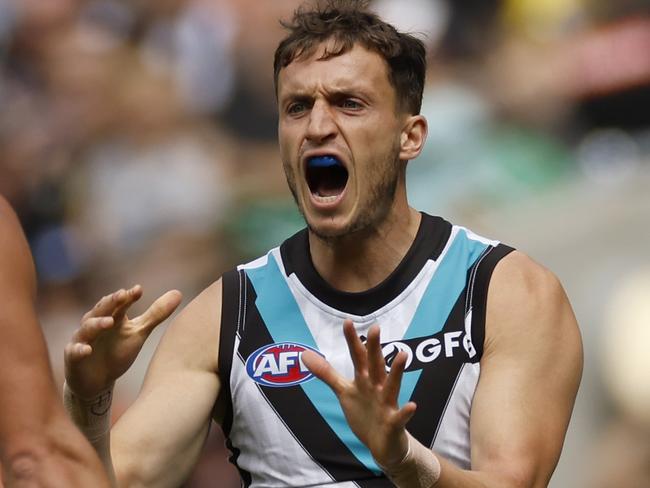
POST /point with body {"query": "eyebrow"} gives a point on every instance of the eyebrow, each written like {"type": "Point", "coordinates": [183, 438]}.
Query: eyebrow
{"type": "Point", "coordinates": [335, 94]}
{"type": "Point", "coordinates": [296, 97]}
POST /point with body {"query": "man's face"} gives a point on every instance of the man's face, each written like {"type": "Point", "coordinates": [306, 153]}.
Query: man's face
{"type": "Point", "coordinates": [339, 133]}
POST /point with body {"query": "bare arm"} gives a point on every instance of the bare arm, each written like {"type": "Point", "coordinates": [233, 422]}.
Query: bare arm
{"type": "Point", "coordinates": [530, 373]}
{"type": "Point", "coordinates": [39, 446]}
{"type": "Point", "coordinates": [173, 410]}
{"type": "Point", "coordinates": [159, 438]}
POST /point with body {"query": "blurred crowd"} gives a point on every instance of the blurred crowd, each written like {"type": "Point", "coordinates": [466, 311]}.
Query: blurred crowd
{"type": "Point", "coordinates": [138, 145]}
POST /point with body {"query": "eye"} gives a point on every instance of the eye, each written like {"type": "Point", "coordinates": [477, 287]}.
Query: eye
{"type": "Point", "coordinates": [296, 108]}
{"type": "Point", "coordinates": [350, 104]}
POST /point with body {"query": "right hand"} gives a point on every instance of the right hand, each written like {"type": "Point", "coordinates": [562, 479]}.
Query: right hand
{"type": "Point", "coordinates": [107, 342]}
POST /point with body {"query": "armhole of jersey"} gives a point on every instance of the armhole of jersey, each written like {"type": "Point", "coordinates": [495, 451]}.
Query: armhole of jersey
{"type": "Point", "coordinates": [479, 291]}
{"type": "Point", "coordinates": [231, 305]}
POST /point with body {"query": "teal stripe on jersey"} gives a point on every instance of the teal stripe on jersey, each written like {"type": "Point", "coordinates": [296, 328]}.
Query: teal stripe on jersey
{"type": "Point", "coordinates": [285, 323]}
{"type": "Point", "coordinates": [277, 305]}
{"type": "Point", "coordinates": [439, 298]}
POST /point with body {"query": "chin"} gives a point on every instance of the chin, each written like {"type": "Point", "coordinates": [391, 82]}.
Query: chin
{"type": "Point", "coordinates": [328, 229]}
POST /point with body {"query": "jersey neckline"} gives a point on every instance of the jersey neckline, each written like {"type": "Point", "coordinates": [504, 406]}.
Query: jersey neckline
{"type": "Point", "coordinates": [428, 244]}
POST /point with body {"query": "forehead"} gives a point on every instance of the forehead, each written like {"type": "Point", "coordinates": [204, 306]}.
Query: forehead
{"type": "Point", "coordinates": [358, 68]}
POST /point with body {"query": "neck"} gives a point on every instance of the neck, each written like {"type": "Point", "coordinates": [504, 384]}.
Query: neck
{"type": "Point", "coordinates": [362, 260]}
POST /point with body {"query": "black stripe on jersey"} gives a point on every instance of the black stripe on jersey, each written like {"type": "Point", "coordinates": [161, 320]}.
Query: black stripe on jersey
{"type": "Point", "coordinates": [231, 316]}
{"type": "Point", "coordinates": [478, 294]}
{"type": "Point", "coordinates": [230, 310]}
{"type": "Point", "coordinates": [429, 242]}
{"type": "Point", "coordinates": [436, 384]}
{"type": "Point", "coordinates": [299, 415]}
{"type": "Point", "coordinates": [245, 476]}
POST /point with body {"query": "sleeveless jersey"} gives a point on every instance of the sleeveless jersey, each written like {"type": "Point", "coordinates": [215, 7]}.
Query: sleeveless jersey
{"type": "Point", "coordinates": [284, 426]}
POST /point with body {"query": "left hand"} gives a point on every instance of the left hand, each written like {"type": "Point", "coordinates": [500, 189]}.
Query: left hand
{"type": "Point", "coordinates": [107, 342]}
{"type": "Point", "coordinates": [369, 401]}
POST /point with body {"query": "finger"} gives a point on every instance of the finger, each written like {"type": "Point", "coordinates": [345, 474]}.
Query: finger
{"type": "Point", "coordinates": [323, 370]}
{"type": "Point", "coordinates": [159, 310]}
{"type": "Point", "coordinates": [76, 351]}
{"type": "Point", "coordinates": [404, 415]}
{"type": "Point", "coordinates": [357, 350]}
{"type": "Point", "coordinates": [124, 299]}
{"type": "Point", "coordinates": [394, 379]}
{"type": "Point", "coordinates": [103, 307]}
{"type": "Point", "coordinates": [91, 328]}
{"type": "Point", "coordinates": [376, 363]}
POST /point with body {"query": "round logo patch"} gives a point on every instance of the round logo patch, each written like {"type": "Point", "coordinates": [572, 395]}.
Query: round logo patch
{"type": "Point", "coordinates": [279, 364]}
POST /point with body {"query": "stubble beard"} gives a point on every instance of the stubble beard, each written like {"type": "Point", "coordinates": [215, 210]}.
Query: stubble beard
{"type": "Point", "coordinates": [373, 211]}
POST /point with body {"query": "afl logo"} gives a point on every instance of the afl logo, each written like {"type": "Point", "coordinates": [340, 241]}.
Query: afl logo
{"type": "Point", "coordinates": [279, 364]}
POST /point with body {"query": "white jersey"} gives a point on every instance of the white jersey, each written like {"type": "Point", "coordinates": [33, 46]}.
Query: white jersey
{"type": "Point", "coordinates": [285, 427]}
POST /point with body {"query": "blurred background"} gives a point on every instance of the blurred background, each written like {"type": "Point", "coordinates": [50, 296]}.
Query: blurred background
{"type": "Point", "coordinates": [138, 145]}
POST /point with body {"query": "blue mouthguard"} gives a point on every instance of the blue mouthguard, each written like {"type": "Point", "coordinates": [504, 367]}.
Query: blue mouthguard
{"type": "Point", "coordinates": [323, 162]}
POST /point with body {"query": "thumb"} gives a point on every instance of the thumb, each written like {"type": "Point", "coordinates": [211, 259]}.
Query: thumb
{"type": "Point", "coordinates": [323, 370]}
{"type": "Point", "coordinates": [160, 309]}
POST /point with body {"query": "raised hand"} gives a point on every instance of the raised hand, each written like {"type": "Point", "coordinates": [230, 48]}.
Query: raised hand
{"type": "Point", "coordinates": [107, 342]}
{"type": "Point", "coordinates": [369, 401]}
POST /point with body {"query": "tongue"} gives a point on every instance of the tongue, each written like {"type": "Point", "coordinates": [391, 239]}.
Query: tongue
{"type": "Point", "coordinates": [328, 187]}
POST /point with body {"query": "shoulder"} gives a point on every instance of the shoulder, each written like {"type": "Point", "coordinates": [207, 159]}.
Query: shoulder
{"type": "Point", "coordinates": [527, 305]}
{"type": "Point", "coordinates": [517, 277]}
{"type": "Point", "coordinates": [191, 341]}
{"type": "Point", "coordinates": [203, 312]}
{"type": "Point", "coordinates": [206, 302]}
{"type": "Point", "coordinates": [16, 266]}
{"type": "Point", "coordinates": [5, 208]}
{"type": "Point", "coordinates": [11, 235]}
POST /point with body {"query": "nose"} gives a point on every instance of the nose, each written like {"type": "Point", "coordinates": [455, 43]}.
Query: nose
{"type": "Point", "coordinates": [321, 125]}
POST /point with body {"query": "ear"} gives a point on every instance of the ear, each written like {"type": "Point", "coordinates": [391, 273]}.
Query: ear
{"type": "Point", "coordinates": [412, 138]}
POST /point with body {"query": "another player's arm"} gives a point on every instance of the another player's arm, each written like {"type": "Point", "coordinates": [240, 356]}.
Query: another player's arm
{"type": "Point", "coordinates": [39, 446]}
{"type": "Point", "coordinates": [159, 437]}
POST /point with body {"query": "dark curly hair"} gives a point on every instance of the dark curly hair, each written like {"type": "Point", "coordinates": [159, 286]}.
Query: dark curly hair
{"type": "Point", "coordinates": [349, 22]}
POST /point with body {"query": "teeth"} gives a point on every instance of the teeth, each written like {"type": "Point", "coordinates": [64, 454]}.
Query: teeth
{"type": "Point", "coordinates": [322, 199]}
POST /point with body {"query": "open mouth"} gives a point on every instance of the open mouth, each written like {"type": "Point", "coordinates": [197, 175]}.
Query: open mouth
{"type": "Point", "coordinates": [326, 177]}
